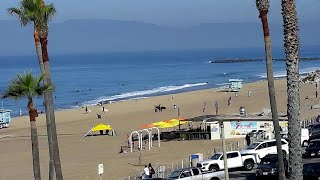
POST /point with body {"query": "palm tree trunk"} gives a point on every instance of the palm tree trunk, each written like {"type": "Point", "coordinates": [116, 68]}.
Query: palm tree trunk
{"type": "Point", "coordinates": [50, 106]}
{"type": "Point", "coordinates": [272, 94]}
{"type": "Point", "coordinates": [291, 45]}
{"type": "Point", "coordinates": [48, 122]}
{"type": "Point", "coordinates": [34, 141]}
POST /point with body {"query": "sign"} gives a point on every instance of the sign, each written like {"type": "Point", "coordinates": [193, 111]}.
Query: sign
{"type": "Point", "coordinates": [100, 169]}
{"type": "Point", "coordinates": [214, 128]}
{"type": "Point", "coordinates": [242, 128]}
{"type": "Point", "coordinates": [243, 125]}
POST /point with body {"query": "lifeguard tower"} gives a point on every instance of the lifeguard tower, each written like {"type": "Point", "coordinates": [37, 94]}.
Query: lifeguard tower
{"type": "Point", "coordinates": [234, 85]}
{"type": "Point", "coordinates": [5, 118]}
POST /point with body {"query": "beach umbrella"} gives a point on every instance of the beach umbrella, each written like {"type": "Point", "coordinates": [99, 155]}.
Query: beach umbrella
{"type": "Point", "coordinates": [100, 127]}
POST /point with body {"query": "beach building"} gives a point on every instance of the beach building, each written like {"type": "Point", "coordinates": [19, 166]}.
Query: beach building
{"type": "Point", "coordinates": [5, 118]}
{"type": "Point", "coordinates": [236, 125]}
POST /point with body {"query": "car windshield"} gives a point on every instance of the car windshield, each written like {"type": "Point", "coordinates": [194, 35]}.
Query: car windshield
{"type": "Point", "coordinates": [175, 174]}
{"type": "Point", "coordinates": [215, 156]}
{"type": "Point", "coordinates": [314, 144]}
{"type": "Point", "coordinates": [269, 161]}
{"type": "Point", "coordinates": [253, 145]}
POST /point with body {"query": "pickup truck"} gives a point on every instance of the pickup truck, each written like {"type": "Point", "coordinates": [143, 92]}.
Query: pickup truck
{"type": "Point", "coordinates": [234, 160]}
{"type": "Point", "coordinates": [195, 174]}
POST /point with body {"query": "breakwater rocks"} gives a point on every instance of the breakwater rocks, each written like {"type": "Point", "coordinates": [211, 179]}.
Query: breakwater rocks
{"type": "Point", "coordinates": [238, 60]}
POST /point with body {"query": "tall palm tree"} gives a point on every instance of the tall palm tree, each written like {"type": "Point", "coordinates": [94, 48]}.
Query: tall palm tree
{"type": "Point", "coordinates": [39, 14]}
{"type": "Point", "coordinates": [28, 86]}
{"type": "Point", "coordinates": [48, 13]}
{"type": "Point", "coordinates": [292, 50]}
{"type": "Point", "coordinates": [263, 8]}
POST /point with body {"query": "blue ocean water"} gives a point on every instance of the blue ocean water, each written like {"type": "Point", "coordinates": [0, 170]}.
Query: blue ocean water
{"type": "Point", "coordinates": [86, 79]}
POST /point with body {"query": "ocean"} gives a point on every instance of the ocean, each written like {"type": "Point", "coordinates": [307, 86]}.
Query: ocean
{"type": "Point", "coordinates": [86, 79]}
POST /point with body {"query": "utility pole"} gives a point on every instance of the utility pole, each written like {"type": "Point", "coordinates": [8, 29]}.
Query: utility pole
{"type": "Point", "coordinates": [226, 172]}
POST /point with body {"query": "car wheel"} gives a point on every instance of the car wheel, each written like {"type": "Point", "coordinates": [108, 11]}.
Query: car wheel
{"type": "Point", "coordinates": [248, 165]}
{"type": "Point", "coordinates": [213, 168]}
{"type": "Point", "coordinates": [305, 143]}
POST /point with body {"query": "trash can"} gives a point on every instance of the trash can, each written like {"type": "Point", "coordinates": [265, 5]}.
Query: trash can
{"type": "Point", "coordinates": [194, 160]}
{"type": "Point", "coordinates": [206, 136]}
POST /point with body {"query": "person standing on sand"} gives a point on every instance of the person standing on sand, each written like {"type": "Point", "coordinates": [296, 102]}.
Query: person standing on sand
{"type": "Point", "coordinates": [86, 110]}
{"type": "Point", "coordinates": [216, 105]}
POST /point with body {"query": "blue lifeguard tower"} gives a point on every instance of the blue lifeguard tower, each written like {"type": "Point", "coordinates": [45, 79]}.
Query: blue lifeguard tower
{"type": "Point", "coordinates": [5, 118]}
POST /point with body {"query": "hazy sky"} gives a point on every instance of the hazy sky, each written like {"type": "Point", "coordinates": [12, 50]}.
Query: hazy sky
{"type": "Point", "coordinates": [169, 12]}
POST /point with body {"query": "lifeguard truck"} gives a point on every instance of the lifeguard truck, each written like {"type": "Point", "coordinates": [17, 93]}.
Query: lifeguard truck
{"type": "Point", "coordinates": [5, 118]}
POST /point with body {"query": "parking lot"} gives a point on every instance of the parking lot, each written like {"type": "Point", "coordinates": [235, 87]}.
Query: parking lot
{"type": "Point", "coordinates": [250, 175]}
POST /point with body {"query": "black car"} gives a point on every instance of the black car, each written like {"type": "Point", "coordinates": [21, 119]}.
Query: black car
{"type": "Point", "coordinates": [269, 166]}
{"type": "Point", "coordinates": [311, 171]}
{"type": "Point", "coordinates": [313, 149]}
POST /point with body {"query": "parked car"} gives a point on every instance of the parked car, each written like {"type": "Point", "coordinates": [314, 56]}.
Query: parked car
{"type": "Point", "coordinates": [195, 174]}
{"type": "Point", "coordinates": [253, 133]}
{"type": "Point", "coordinates": [269, 166]}
{"type": "Point", "coordinates": [313, 149]}
{"type": "Point", "coordinates": [311, 171]}
{"type": "Point", "coordinates": [234, 160]}
{"type": "Point", "coordinates": [262, 148]}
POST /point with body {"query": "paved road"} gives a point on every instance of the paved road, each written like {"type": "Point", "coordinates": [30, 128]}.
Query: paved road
{"type": "Point", "coordinates": [250, 175]}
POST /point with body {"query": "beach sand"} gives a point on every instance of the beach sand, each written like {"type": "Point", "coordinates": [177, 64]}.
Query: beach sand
{"type": "Point", "coordinates": [80, 156]}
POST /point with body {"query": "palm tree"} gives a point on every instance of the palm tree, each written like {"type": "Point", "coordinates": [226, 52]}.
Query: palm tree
{"type": "Point", "coordinates": [263, 7]}
{"type": "Point", "coordinates": [292, 50]}
{"type": "Point", "coordinates": [28, 86]}
{"type": "Point", "coordinates": [39, 14]}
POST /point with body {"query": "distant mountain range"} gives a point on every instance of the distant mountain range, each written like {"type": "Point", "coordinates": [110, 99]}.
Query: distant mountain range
{"type": "Point", "coordinates": [103, 36]}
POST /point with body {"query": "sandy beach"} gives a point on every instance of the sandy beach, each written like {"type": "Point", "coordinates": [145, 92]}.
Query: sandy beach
{"type": "Point", "coordinates": [80, 156]}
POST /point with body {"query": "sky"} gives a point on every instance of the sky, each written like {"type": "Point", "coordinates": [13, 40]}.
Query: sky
{"type": "Point", "coordinates": [169, 12]}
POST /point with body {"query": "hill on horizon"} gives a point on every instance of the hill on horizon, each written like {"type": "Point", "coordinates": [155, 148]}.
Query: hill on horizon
{"type": "Point", "coordinates": [108, 36]}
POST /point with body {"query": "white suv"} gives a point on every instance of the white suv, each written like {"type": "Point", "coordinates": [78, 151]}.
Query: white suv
{"type": "Point", "coordinates": [262, 148]}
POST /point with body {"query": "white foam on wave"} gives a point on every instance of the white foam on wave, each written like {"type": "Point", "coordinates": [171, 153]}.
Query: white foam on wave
{"type": "Point", "coordinates": [134, 94]}
{"type": "Point", "coordinates": [280, 74]}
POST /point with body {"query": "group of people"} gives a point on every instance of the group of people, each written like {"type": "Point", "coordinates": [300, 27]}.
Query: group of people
{"type": "Point", "coordinates": [148, 171]}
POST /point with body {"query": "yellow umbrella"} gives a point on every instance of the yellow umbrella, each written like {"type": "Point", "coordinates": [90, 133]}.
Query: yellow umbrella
{"type": "Point", "coordinates": [100, 127]}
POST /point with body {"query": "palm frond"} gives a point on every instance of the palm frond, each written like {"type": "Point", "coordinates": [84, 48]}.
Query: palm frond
{"type": "Point", "coordinates": [19, 12]}
{"type": "Point", "coordinates": [28, 86]}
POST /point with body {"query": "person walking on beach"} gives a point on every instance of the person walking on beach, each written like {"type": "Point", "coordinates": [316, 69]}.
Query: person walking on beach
{"type": "Point", "coordinates": [151, 170]}
{"type": "Point", "coordinates": [248, 139]}
{"type": "Point", "coordinates": [229, 101]}
{"type": "Point", "coordinates": [86, 110]}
